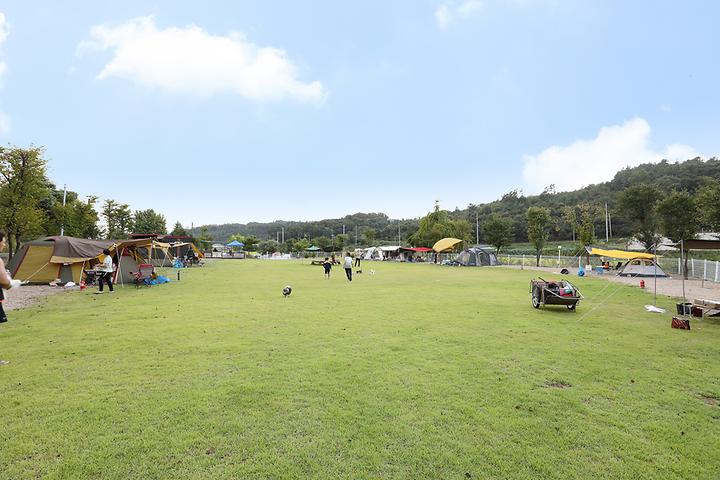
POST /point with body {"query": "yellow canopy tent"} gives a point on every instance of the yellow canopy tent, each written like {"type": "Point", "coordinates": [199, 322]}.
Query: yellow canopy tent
{"type": "Point", "coordinates": [618, 253]}
{"type": "Point", "coordinates": [445, 244]}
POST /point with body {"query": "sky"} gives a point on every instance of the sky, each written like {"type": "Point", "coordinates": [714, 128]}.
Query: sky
{"type": "Point", "coordinates": [226, 111]}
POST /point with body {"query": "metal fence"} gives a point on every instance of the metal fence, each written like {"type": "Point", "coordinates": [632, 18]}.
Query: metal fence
{"type": "Point", "coordinates": [700, 269]}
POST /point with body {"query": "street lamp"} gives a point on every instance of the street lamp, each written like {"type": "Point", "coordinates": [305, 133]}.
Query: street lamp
{"type": "Point", "coordinates": [559, 248]}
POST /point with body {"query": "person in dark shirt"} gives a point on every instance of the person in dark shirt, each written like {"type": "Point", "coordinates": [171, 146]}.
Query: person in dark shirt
{"type": "Point", "coordinates": [327, 265]}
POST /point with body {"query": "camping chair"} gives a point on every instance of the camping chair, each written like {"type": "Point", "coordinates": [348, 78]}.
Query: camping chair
{"type": "Point", "coordinates": [144, 275]}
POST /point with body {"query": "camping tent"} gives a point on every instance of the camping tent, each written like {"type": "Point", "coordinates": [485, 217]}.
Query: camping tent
{"type": "Point", "coordinates": [477, 257]}
{"type": "Point", "coordinates": [446, 244]}
{"type": "Point", "coordinates": [65, 258]}
{"type": "Point", "coordinates": [641, 267]}
{"type": "Point", "coordinates": [373, 253]}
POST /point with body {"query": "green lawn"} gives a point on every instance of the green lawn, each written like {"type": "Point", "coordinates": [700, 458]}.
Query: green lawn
{"type": "Point", "coordinates": [419, 371]}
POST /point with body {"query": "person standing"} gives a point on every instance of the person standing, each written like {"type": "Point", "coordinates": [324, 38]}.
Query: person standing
{"type": "Point", "coordinates": [107, 269]}
{"type": "Point", "coordinates": [6, 281]}
{"type": "Point", "coordinates": [327, 266]}
{"type": "Point", "coordinates": [357, 259]}
{"type": "Point", "coordinates": [347, 265]}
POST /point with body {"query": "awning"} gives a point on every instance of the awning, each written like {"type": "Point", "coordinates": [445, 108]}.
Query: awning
{"type": "Point", "coordinates": [235, 243]}
{"type": "Point", "coordinates": [446, 244]}
{"type": "Point", "coordinates": [701, 244]}
{"type": "Point", "coordinates": [618, 253]}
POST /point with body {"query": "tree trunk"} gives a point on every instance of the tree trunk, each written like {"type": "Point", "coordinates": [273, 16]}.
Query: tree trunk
{"type": "Point", "coordinates": [10, 246]}
{"type": "Point", "coordinates": [685, 267]}
{"type": "Point", "coordinates": [537, 258]}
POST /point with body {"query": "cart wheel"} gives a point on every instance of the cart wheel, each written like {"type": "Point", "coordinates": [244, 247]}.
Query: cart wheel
{"type": "Point", "coordinates": [535, 301]}
{"type": "Point", "coordinates": [572, 307]}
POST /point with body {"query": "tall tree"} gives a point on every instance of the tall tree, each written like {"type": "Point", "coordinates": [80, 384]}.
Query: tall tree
{"type": "Point", "coordinates": [708, 200]}
{"type": "Point", "coordinates": [569, 216]}
{"type": "Point", "coordinates": [149, 221]}
{"type": "Point", "coordinates": [679, 218]}
{"type": "Point", "coordinates": [433, 226]}
{"type": "Point", "coordinates": [637, 203]}
{"type": "Point", "coordinates": [118, 219]}
{"type": "Point", "coordinates": [538, 227]}
{"type": "Point", "coordinates": [340, 242]}
{"type": "Point", "coordinates": [23, 184]}
{"type": "Point", "coordinates": [497, 232]}
{"type": "Point", "coordinates": [206, 240]}
{"type": "Point", "coordinates": [368, 236]}
{"type": "Point", "coordinates": [179, 230]}
{"type": "Point", "coordinates": [588, 213]}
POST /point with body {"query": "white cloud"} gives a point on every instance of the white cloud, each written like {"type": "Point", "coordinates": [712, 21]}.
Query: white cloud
{"type": "Point", "coordinates": [189, 60]}
{"type": "Point", "coordinates": [450, 10]}
{"type": "Point", "coordinates": [585, 162]}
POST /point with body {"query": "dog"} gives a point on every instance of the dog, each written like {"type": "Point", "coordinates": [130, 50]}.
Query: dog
{"type": "Point", "coordinates": [358, 271]}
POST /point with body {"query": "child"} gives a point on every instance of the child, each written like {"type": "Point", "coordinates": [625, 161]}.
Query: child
{"type": "Point", "coordinates": [327, 265]}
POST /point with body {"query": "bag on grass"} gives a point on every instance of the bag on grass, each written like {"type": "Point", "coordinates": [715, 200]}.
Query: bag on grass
{"type": "Point", "coordinates": [680, 323]}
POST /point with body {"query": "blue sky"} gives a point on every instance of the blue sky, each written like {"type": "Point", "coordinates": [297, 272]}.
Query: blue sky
{"type": "Point", "coordinates": [220, 111]}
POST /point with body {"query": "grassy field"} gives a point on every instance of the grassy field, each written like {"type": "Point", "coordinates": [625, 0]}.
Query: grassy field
{"type": "Point", "coordinates": [418, 371]}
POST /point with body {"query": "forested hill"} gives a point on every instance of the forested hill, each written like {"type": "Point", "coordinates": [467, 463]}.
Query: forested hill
{"type": "Point", "coordinates": [379, 228]}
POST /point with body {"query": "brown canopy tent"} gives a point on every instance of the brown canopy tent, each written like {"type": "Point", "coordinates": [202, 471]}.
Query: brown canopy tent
{"type": "Point", "coordinates": [51, 258]}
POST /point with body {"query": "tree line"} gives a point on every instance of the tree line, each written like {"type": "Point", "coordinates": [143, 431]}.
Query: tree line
{"type": "Point", "coordinates": [514, 218]}
{"type": "Point", "coordinates": [32, 206]}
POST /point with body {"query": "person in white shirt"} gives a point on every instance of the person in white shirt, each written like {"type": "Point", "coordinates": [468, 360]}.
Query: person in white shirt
{"type": "Point", "coordinates": [347, 265]}
{"type": "Point", "coordinates": [6, 282]}
{"type": "Point", "coordinates": [107, 268]}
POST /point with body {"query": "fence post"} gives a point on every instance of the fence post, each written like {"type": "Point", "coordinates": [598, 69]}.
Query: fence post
{"type": "Point", "coordinates": [705, 269]}
{"type": "Point", "coordinates": [679, 266]}
{"type": "Point", "coordinates": [717, 270]}
{"type": "Point", "coordinates": [692, 267]}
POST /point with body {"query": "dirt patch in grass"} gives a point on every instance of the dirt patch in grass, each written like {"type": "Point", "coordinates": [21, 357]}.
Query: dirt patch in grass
{"type": "Point", "coordinates": [557, 384]}
{"type": "Point", "coordinates": [709, 399]}
{"type": "Point", "coordinates": [28, 295]}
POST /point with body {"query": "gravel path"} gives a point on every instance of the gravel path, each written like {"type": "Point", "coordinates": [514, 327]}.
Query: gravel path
{"type": "Point", "coordinates": [28, 295]}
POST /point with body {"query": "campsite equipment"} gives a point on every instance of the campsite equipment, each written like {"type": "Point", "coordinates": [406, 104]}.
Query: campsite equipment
{"type": "Point", "coordinates": [445, 244]}
{"type": "Point", "coordinates": [681, 323]}
{"type": "Point", "coordinates": [548, 292]}
{"type": "Point", "coordinates": [144, 275]}
{"type": "Point", "coordinates": [65, 258]}
{"type": "Point", "coordinates": [477, 256]}
{"type": "Point", "coordinates": [641, 267]}
{"type": "Point", "coordinates": [684, 308]}
{"type": "Point", "coordinates": [707, 308]}
{"type": "Point", "coordinates": [642, 283]}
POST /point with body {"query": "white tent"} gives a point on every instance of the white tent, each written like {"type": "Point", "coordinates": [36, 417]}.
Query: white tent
{"type": "Point", "coordinates": [373, 253]}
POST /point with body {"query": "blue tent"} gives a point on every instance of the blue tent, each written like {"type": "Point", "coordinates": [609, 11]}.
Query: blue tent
{"type": "Point", "coordinates": [235, 243]}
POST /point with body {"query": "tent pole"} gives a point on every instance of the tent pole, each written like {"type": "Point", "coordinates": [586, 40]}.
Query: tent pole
{"type": "Point", "coordinates": [682, 266]}
{"type": "Point", "coordinates": [655, 276]}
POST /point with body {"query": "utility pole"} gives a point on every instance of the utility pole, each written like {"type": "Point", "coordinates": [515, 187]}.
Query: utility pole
{"type": "Point", "coordinates": [607, 225]}
{"type": "Point", "coordinates": [355, 236]}
{"type": "Point", "coordinates": [62, 227]}
{"type": "Point", "coordinates": [343, 229]}
{"type": "Point", "coordinates": [283, 234]}
{"type": "Point", "coordinates": [477, 229]}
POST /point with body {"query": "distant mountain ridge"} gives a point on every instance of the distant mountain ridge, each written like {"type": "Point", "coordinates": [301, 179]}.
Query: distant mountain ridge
{"type": "Point", "coordinates": [688, 175]}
